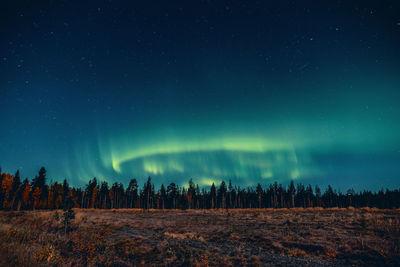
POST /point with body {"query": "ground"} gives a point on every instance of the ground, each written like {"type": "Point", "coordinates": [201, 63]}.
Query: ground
{"type": "Point", "coordinates": [288, 237]}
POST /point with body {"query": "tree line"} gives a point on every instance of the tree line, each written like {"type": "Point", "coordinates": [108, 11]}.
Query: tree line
{"type": "Point", "coordinates": [37, 194]}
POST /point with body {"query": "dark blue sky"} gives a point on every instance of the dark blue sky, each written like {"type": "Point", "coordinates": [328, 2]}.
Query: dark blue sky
{"type": "Point", "coordinates": [253, 91]}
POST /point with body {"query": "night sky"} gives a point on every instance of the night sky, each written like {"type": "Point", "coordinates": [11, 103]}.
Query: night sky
{"type": "Point", "coordinates": [252, 91]}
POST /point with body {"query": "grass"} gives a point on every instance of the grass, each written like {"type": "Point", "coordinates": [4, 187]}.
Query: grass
{"type": "Point", "coordinates": [202, 237]}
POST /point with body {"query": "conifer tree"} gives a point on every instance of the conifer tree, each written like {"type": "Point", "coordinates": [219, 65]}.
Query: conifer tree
{"type": "Point", "coordinates": [68, 214]}
{"type": "Point", "coordinates": [16, 191]}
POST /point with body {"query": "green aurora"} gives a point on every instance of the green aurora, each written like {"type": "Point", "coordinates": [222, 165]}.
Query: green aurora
{"type": "Point", "coordinates": [284, 91]}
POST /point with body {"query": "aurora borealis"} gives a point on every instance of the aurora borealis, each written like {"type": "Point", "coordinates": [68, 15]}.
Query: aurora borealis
{"type": "Point", "coordinates": [249, 92]}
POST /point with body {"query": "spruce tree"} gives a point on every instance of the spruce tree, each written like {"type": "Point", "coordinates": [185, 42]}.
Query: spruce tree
{"type": "Point", "coordinates": [68, 214]}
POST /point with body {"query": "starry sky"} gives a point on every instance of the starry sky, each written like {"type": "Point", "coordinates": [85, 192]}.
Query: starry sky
{"type": "Point", "coordinates": [252, 91]}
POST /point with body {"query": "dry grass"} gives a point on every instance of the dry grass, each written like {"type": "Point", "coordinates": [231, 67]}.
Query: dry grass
{"type": "Point", "coordinates": [298, 236]}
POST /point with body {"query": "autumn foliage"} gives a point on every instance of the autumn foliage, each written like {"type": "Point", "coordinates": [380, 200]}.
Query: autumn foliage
{"type": "Point", "coordinates": [37, 194]}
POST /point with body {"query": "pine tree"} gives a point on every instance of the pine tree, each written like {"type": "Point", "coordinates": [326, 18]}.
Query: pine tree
{"type": "Point", "coordinates": [213, 196]}
{"type": "Point", "coordinates": [132, 193]}
{"type": "Point", "coordinates": [318, 195]}
{"type": "Point", "coordinates": [14, 195]}
{"type": "Point", "coordinates": [163, 196]}
{"type": "Point", "coordinates": [259, 192]}
{"type": "Point", "coordinates": [172, 194]}
{"type": "Point", "coordinates": [40, 189]}
{"type": "Point", "coordinates": [26, 194]}
{"type": "Point", "coordinates": [68, 214]}
{"type": "Point", "coordinates": [148, 193]}
{"type": "Point", "coordinates": [65, 188]}
{"type": "Point", "coordinates": [292, 191]}
{"type": "Point", "coordinates": [191, 192]}
{"type": "Point", "coordinates": [91, 193]}
{"type": "Point", "coordinates": [16, 191]}
{"type": "Point", "coordinates": [104, 195]}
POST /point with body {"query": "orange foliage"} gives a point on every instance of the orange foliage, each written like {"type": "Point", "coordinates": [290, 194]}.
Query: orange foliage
{"type": "Point", "coordinates": [6, 187]}
{"type": "Point", "coordinates": [58, 201]}
{"type": "Point", "coordinates": [25, 195]}
{"type": "Point", "coordinates": [36, 197]}
{"type": "Point", "coordinates": [93, 202]}
{"type": "Point", "coordinates": [51, 200]}
{"type": "Point", "coordinates": [43, 204]}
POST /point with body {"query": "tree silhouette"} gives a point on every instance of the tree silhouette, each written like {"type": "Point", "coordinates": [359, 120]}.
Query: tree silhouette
{"type": "Point", "coordinates": [148, 193]}
{"type": "Point", "coordinates": [163, 197]}
{"type": "Point", "coordinates": [68, 214]}
{"type": "Point", "coordinates": [259, 191]}
{"type": "Point", "coordinates": [172, 194]}
{"type": "Point", "coordinates": [15, 195]}
{"type": "Point", "coordinates": [40, 189]}
{"type": "Point", "coordinates": [104, 196]}
{"type": "Point", "coordinates": [16, 192]}
{"type": "Point", "coordinates": [213, 196]}
{"type": "Point", "coordinates": [132, 193]}
{"type": "Point", "coordinates": [292, 191]}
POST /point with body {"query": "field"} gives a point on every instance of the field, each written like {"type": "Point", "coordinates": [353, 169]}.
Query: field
{"type": "Point", "coordinates": [198, 237]}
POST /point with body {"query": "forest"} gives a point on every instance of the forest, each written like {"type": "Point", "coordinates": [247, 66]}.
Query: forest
{"type": "Point", "coordinates": [37, 194]}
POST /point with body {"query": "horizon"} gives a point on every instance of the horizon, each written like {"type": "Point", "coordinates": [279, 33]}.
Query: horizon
{"type": "Point", "coordinates": [217, 183]}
